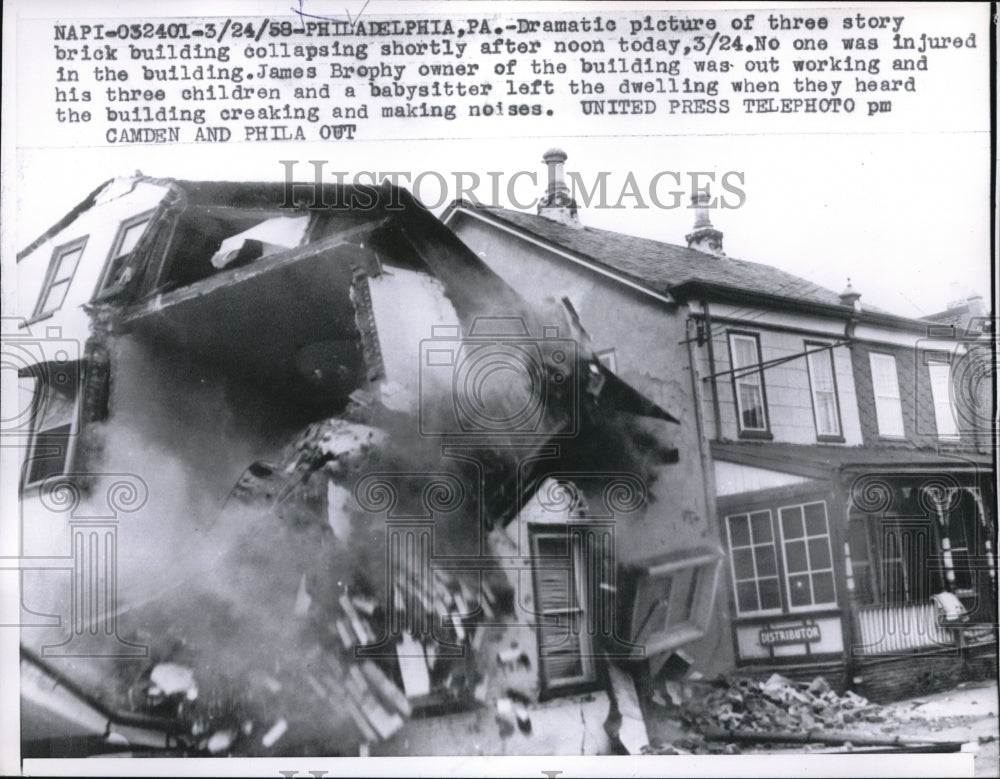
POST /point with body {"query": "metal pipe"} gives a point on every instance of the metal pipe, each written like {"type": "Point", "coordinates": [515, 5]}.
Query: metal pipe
{"type": "Point", "coordinates": [711, 367]}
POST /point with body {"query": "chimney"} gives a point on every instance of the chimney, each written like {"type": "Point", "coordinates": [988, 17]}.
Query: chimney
{"type": "Point", "coordinates": [704, 237]}
{"type": "Point", "coordinates": [557, 204]}
{"type": "Point", "coordinates": [850, 297]}
{"type": "Point", "coordinates": [976, 306]}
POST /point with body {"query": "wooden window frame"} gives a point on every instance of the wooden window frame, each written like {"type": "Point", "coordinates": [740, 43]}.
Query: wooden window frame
{"type": "Point", "coordinates": [104, 290]}
{"type": "Point", "coordinates": [78, 244]}
{"type": "Point", "coordinates": [748, 432]}
{"type": "Point", "coordinates": [837, 437]}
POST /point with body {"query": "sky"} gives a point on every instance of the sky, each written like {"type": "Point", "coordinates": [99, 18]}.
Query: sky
{"type": "Point", "coordinates": [899, 204]}
{"type": "Point", "coordinates": [905, 216]}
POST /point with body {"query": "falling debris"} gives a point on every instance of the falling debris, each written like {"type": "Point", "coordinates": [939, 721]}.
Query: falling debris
{"type": "Point", "coordinates": [171, 679]}
{"type": "Point", "coordinates": [276, 732]}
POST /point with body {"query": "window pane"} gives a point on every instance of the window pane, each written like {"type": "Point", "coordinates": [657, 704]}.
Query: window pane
{"type": "Point", "coordinates": [799, 590]}
{"type": "Point", "coordinates": [791, 522]}
{"type": "Point", "coordinates": [944, 414]}
{"type": "Point", "coordinates": [744, 352]}
{"type": "Point", "coordinates": [766, 565]}
{"type": "Point", "coordinates": [743, 563]}
{"type": "Point", "coordinates": [746, 596]}
{"type": "Point", "coordinates": [769, 597]}
{"type": "Point", "coordinates": [827, 422]}
{"type": "Point", "coordinates": [752, 404]}
{"type": "Point", "coordinates": [739, 531]}
{"type": "Point", "coordinates": [885, 384]}
{"type": "Point", "coordinates": [54, 297]}
{"type": "Point", "coordinates": [822, 587]}
{"type": "Point", "coordinates": [761, 524]}
{"type": "Point", "coordinates": [795, 556]}
{"type": "Point", "coordinates": [67, 265]}
{"type": "Point", "coordinates": [552, 545]}
{"type": "Point", "coordinates": [815, 519]}
{"type": "Point", "coordinates": [56, 449]}
{"type": "Point", "coordinates": [131, 237]}
{"type": "Point", "coordinates": [819, 553]}
{"type": "Point", "coordinates": [820, 370]}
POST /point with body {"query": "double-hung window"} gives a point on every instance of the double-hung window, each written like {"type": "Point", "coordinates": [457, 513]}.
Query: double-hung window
{"type": "Point", "coordinates": [63, 266]}
{"type": "Point", "coordinates": [53, 421]}
{"type": "Point", "coordinates": [748, 383]}
{"type": "Point", "coordinates": [117, 272]}
{"type": "Point", "coordinates": [944, 412]}
{"type": "Point", "coordinates": [885, 385]}
{"type": "Point", "coordinates": [823, 385]}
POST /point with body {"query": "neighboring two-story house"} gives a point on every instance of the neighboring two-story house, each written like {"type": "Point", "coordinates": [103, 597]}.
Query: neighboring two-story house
{"type": "Point", "coordinates": [845, 473]}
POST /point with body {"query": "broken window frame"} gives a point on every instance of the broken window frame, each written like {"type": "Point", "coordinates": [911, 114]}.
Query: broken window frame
{"type": "Point", "coordinates": [44, 435]}
{"type": "Point", "coordinates": [824, 358]}
{"type": "Point", "coordinates": [588, 670]}
{"type": "Point", "coordinates": [77, 246]}
{"type": "Point", "coordinates": [744, 377]}
{"type": "Point", "coordinates": [117, 259]}
{"type": "Point", "coordinates": [688, 584]}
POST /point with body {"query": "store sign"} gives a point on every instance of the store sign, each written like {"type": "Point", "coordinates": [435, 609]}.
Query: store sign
{"type": "Point", "coordinates": [796, 635]}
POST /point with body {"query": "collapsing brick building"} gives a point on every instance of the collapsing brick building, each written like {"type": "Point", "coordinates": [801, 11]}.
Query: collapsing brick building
{"type": "Point", "coordinates": [297, 464]}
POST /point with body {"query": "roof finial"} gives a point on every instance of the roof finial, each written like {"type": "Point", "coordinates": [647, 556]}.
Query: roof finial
{"type": "Point", "coordinates": [704, 237]}
{"type": "Point", "coordinates": [850, 296]}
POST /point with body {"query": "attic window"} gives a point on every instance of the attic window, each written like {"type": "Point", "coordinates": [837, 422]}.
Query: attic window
{"type": "Point", "coordinates": [59, 276]}
{"type": "Point", "coordinates": [117, 272]}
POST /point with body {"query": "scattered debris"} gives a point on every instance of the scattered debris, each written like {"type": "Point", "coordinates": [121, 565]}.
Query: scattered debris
{"type": "Point", "coordinates": [631, 727]}
{"type": "Point", "coordinates": [171, 679]}
{"type": "Point", "coordinates": [775, 704]}
{"type": "Point", "coordinates": [276, 732]}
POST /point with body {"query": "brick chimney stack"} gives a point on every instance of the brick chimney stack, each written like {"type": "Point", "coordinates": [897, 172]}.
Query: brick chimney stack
{"type": "Point", "coordinates": [557, 203]}
{"type": "Point", "coordinates": [704, 237]}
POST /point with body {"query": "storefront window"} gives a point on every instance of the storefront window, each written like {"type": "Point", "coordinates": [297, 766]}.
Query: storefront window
{"type": "Point", "coordinates": [808, 561]}
{"type": "Point", "coordinates": [796, 549]}
{"type": "Point", "coordinates": [755, 567]}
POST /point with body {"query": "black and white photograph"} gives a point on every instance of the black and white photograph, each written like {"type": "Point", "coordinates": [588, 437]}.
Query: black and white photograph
{"type": "Point", "coordinates": [498, 389]}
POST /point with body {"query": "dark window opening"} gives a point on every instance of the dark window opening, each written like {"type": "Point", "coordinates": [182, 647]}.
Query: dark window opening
{"type": "Point", "coordinates": [118, 270]}
{"type": "Point", "coordinates": [53, 414]}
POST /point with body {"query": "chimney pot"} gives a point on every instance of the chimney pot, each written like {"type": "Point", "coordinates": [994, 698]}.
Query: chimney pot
{"type": "Point", "coordinates": [704, 237]}
{"type": "Point", "coordinates": [557, 203]}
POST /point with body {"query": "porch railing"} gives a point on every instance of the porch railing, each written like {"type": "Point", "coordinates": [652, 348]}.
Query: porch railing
{"type": "Point", "coordinates": [892, 629]}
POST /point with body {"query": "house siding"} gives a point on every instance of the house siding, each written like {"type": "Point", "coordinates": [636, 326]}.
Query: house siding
{"type": "Point", "coordinates": [919, 426]}
{"type": "Point", "coordinates": [648, 338]}
{"type": "Point", "coordinates": [787, 388]}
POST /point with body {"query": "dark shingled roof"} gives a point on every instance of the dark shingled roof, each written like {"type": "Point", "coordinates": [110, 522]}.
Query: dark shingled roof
{"type": "Point", "coordinates": [658, 265]}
